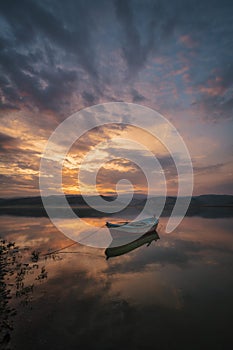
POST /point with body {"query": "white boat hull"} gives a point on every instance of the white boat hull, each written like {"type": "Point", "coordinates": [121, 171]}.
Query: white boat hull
{"type": "Point", "coordinates": [124, 234]}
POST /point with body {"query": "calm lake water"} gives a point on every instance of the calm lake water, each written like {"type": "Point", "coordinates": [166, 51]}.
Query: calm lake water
{"type": "Point", "coordinates": [175, 293]}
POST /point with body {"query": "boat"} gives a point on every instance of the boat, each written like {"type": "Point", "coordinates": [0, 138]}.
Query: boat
{"type": "Point", "coordinates": [141, 226]}
{"type": "Point", "coordinates": [123, 232]}
{"type": "Point", "coordinates": [126, 248]}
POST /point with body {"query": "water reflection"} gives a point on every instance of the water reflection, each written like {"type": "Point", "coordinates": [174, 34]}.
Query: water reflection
{"type": "Point", "coordinates": [176, 293]}
{"type": "Point", "coordinates": [147, 238]}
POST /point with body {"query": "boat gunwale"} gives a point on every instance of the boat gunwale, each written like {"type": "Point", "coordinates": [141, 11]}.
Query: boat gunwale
{"type": "Point", "coordinates": [150, 222]}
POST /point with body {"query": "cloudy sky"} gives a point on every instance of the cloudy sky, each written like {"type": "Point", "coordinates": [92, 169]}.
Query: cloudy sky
{"type": "Point", "coordinates": [58, 57]}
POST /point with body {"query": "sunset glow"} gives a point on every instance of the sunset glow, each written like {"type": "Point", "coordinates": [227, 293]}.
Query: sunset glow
{"type": "Point", "coordinates": [50, 73]}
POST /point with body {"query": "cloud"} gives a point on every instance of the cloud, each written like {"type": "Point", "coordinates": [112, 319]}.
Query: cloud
{"type": "Point", "coordinates": [215, 94]}
{"type": "Point", "coordinates": [40, 57]}
{"type": "Point", "coordinates": [51, 52]}
{"type": "Point", "coordinates": [208, 169]}
{"type": "Point", "coordinates": [134, 50]}
{"type": "Point", "coordinates": [19, 167]}
{"type": "Point", "coordinates": [176, 252]}
{"type": "Point", "coordinates": [26, 86]}
{"type": "Point", "coordinates": [89, 98]}
{"type": "Point", "coordinates": [44, 22]}
{"type": "Point", "coordinates": [137, 97]}
{"type": "Point", "coordinates": [7, 142]}
{"type": "Point", "coordinates": [58, 57]}
{"type": "Point", "coordinates": [119, 169]}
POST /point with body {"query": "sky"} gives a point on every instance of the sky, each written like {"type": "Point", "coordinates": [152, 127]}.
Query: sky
{"type": "Point", "coordinates": [58, 57]}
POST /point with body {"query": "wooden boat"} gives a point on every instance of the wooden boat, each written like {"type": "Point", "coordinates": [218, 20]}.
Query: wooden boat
{"type": "Point", "coordinates": [124, 232]}
{"type": "Point", "coordinates": [141, 226]}
{"type": "Point", "coordinates": [126, 248]}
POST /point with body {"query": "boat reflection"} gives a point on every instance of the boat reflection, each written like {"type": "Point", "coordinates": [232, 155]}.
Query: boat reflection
{"type": "Point", "coordinates": [147, 238]}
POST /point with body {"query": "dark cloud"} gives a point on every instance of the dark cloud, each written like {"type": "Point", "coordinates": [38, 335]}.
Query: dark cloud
{"type": "Point", "coordinates": [216, 108]}
{"type": "Point", "coordinates": [147, 26]}
{"type": "Point", "coordinates": [134, 51]}
{"type": "Point", "coordinates": [7, 142]}
{"type": "Point", "coordinates": [137, 97]}
{"type": "Point", "coordinates": [154, 29]}
{"type": "Point", "coordinates": [89, 98]}
{"type": "Point", "coordinates": [45, 88]}
{"type": "Point", "coordinates": [38, 57]}
{"type": "Point", "coordinates": [50, 49]}
{"type": "Point", "coordinates": [31, 21]}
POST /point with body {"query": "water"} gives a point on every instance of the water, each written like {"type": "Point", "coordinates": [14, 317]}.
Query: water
{"type": "Point", "coordinates": [175, 293]}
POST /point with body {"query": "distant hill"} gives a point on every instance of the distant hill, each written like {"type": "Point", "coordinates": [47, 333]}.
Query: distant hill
{"type": "Point", "coordinates": [210, 205]}
{"type": "Point", "coordinates": [37, 201]}
{"type": "Point", "coordinates": [211, 200]}
{"type": "Point", "coordinates": [214, 200]}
